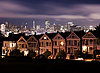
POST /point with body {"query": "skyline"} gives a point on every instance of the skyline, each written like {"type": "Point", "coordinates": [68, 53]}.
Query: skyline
{"type": "Point", "coordinates": [82, 12]}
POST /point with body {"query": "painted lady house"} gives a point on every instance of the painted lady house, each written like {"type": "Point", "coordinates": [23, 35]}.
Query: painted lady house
{"type": "Point", "coordinates": [89, 43]}
{"type": "Point", "coordinates": [9, 43]}
{"type": "Point", "coordinates": [73, 44]}
{"type": "Point", "coordinates": [45, 44]}
{"type": "Point", "coordinates": [58, 43]}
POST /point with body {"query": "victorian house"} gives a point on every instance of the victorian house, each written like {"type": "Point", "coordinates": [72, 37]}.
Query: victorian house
{"type": "Point", "coordinates": [22, 43]}
{"type": "Point", "coordinates": [58, 43]}
{"type": "Point", "coordinates": [33, 44]}
{"type": "Point", "coordinates": [45, 44]}
{"type": "Point", "coordinates": [89, 43]}
{"type": "Point", "coordinates": [73, 44]}
{"type": "Point", "coordinates": [9, 43]}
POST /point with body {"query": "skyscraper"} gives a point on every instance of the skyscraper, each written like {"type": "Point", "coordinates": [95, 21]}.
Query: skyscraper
{"type": "Point", "coordinates": [47, 24]}
{"type": "Point", "coordinates": [38, 27]}
{"type": "Point", "coordinates": [33, 25]}
{"type": "Point", "coordinates": [2, 27]}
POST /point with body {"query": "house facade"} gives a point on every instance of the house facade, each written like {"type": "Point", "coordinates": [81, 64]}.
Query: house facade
{"type": "Point", "coordinates": [33, 44]}
{"type": "Point", "coordinates": [45, 44]}
{"type": "Point", "coordinates": [73, 44]}
{"type": "Point", "coordinates": [58, 44]}
{"type": "Point", "coordinates": [23, 45]}
{"type": "Point", "coordinates": [89, 43]}
{"type": "Point", "coordinates": [8, 46]}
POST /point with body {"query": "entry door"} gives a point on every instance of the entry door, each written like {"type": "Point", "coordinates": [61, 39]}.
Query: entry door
{"type": "Point", "coordinates": [55, 51]}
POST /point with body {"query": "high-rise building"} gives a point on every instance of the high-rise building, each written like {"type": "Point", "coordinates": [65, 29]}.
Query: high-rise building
{"type": "Point", "coordinates": [38, 27]}
{"type": "Point", "coordinates": [33, 25]}
{"type": "Point", "coordinates": [6, 24]}
{"type": "Point", "coordinates": [26, 26]}
{"type": "Point", "coordinates": [2, 27]}
{"type": "Point", "coordinates": [47, 24]}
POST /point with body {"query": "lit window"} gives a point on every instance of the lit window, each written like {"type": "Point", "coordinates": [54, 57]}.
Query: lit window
{"type": "Point", "coordinates": [44, 37]}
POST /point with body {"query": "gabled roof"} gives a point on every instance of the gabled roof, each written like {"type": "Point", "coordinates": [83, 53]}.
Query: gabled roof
{"type": "Point", "coordinates": [72, 33]}
{"type": "Point", "coordinates": [58, 34]}
{"type": "Point", "coordinates": [46, 36]}
{"type": "Point", "coordinates": [89, 35]}
{"type": "Point", "coordinates": [30, 38]}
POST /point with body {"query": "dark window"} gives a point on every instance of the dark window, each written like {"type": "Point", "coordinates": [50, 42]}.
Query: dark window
{"type": "Point", "coordinates": [68, 50]}
{"type": "Point", "coordinates": [46, 43]}
{"type": "Point", "coordinates": [55, 42]}
{"type": "Point", "coordinates": [87, 42]}
{"type": "Point", "coordinates": [72, 36]}
{"type": "Point", "coordinates": [75, 48]}
{"type": "Point", "coordinates": [26, 46]}
{"type": "Point", "coordinates": [83, 41]}
{"type": "Point", "coordinates": [75, 42]}
{"type": "Point", "coordinates": [58, 37]}
{"type": "Point", "coordinates": [34, 44]}
{"type": "Point", "coordinates": [42, 43]}
{"type": "Point", "coordinates": [49, 43]}
{"type": "Point", "coordinates": [91, 41]}
{"type": "Point", "coordinates": [22, 45]}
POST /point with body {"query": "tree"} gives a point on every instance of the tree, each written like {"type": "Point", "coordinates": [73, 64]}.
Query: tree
{"type": "Point", "coordinates": [31, 54]}
{"type": "Point", "coordinates": [77, 53]}
{"type": "Point", "coordinates": [96, 52]}
{"type": "Point", "coordinates": [47, 54]}
{"type": "Point", "coordinates": [61, 54]}
{"type": "Point", "coordinates": [16, 53]}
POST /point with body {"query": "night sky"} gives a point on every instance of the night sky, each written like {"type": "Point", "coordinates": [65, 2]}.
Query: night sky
{"type": "Point", "coordinates": [80, 12]}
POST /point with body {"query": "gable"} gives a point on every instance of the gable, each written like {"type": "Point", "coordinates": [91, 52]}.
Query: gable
{"type": "Point", "coordinates": [73, 36]}
{"type": "Point", "coordinates": [88, 35]}
{"type": "Point", "coordinates": [45, 37]}
{"type": "Point", "coordinates": [58, 37]}
{"type": "Point", "coordinates": [32, 39]}
{"type": "Point", "coordinates": [22, 39]}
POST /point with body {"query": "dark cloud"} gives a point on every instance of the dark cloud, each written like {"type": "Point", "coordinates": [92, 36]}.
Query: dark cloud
{"type": "Point", "coordinates": [81, 12]}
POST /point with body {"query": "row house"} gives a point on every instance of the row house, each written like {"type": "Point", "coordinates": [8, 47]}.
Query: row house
{"type": "Point", "coordinates": [89, 43]}
{"type": "Point", "coordinates": [23, 43]}
{"type": "Point", "coordinates": [53, 42]}
{"type": "Point", "coordinates": [58, 43]}
{"type": "Point", "coordinates": [45, 44]}
{"type": "Point", "coordinates": [73, 44]}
